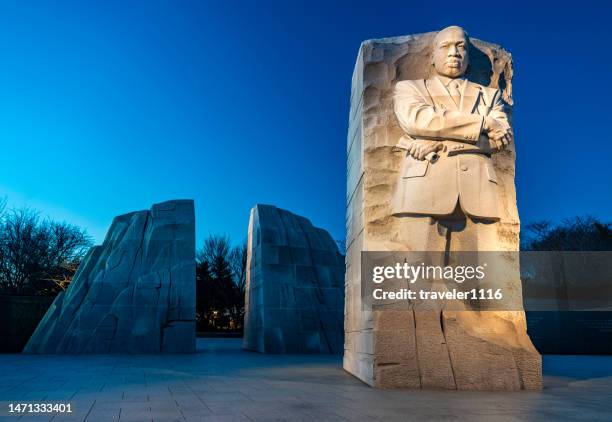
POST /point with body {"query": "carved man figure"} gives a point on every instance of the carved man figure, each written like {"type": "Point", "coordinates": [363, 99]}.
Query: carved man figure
{"type": "Point", "coordinates": [452, 126]}
{"type": "Point", "coordinates": [447, 200]}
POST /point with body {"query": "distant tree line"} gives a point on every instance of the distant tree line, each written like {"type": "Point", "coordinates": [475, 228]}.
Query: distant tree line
{"type": "Point", "coordinates": [577, 234]}
{"type": "Point", "coordinates": [38, 256]}
{"type": "Point", "coordinates": [220, 285]}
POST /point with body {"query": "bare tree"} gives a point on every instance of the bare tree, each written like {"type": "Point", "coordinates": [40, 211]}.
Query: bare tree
{"type": "Point", "coordinates": [220, 277]}
{"type": "Point", "coordinates": [38, 255]}
{"type": "Point", "coordinates": [238, 262]}
{"type": "Point", "coordinates": [215, 247]}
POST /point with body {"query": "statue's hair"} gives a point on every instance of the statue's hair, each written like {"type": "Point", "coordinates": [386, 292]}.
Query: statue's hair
{"type": "Point", "coordinates": [467, 36]}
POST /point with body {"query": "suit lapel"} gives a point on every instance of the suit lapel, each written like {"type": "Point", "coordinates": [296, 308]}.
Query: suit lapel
{"type": "Point", "coordinates": [440, 95]}
{"type": "Point", "coordinates": [469, 96]}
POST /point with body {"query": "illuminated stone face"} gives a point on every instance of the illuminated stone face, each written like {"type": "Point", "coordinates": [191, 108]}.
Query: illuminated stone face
{"type": "Point", "coordinates": [431, 168]}
{"type": "Point", "coordinates": [450, 52]}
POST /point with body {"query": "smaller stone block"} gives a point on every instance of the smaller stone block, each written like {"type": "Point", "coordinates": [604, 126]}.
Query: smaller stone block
{"type": "Point", "coordinates": [295, 285]}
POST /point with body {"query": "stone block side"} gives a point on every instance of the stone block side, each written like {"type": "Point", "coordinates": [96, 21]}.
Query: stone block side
{"type": "Point", "coordinates": [135, 293]}
{"type": "Point", "coordinates": [294, 292]}
{"type": "Point", "coordinates": [380, 346]}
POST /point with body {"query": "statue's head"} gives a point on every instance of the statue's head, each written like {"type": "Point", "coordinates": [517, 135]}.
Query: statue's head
{"type": "Point", "coordinates": [450, 52]}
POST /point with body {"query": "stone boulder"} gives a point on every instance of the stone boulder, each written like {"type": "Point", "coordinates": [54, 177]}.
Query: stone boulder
{"type": "Point", "coordinates": [135, 293]}
{"type": "Point", "coordinates": [399, 349]}
{"type": "Point", "coordinates": [295, 285]}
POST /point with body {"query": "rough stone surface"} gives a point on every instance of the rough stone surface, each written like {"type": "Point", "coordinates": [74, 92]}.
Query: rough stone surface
{"type": "Point", "coordinates": [294, 291]}
{"type": "Point", "coordinates": [388, 349]}
{"type": "Point", "coordinates": [135, 293]}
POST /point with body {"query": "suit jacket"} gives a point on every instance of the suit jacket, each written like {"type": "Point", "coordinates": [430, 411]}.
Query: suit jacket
{"type": "Point", "coordinates": [464, 172]}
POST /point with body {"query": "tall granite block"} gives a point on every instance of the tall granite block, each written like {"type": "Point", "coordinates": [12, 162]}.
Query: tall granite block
{"type": "Point", "coordinates": [401, 349]}
{"type": "Point", "coordinates": [135, 293]}
{"type": "Point", "coordinates": [295, 284]}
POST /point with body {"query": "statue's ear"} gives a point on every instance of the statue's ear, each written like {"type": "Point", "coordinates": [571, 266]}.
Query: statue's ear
{"type": "Point", "coordinates": [469, 64]}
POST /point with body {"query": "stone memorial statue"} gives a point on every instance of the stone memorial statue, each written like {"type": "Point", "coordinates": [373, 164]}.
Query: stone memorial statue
{"type": "Point", "coordinates": [452, 126]}
{"type": "Point", "coordinates": [431, 168]}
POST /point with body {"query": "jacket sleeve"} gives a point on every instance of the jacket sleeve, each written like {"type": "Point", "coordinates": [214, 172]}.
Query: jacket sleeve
{"type": "Point", "coordinates": [418, 118]}
{"type": "Point", "coordinates": [497, 110]}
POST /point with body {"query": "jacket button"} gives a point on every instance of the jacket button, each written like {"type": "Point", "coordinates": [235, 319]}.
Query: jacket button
{"type": "Point", "coordinates": [463, 167]}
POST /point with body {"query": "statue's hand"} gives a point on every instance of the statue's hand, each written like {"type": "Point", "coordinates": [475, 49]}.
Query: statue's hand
{"type": "Point", "coordinates": [419, 148]}
{"type": "Point", "coordinates": [499, 133]}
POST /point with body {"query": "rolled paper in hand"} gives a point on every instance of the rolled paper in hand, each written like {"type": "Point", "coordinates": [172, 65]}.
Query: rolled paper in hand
{"type": "Point", "coordinates": [405, 143]}
{"type": "Point", "coordinates": [432, 157]}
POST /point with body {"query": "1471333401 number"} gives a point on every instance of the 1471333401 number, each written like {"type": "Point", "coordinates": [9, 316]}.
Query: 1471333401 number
{"type": "Point", "coordinates": [40, 408]}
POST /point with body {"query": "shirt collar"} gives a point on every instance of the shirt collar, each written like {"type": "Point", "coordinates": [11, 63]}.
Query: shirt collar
{"type": "Point", "coordinates": [446, 80]}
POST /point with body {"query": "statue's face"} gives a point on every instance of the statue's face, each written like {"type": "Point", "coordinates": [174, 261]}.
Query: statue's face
{"type": "Point", "coordinates": [450, 52]}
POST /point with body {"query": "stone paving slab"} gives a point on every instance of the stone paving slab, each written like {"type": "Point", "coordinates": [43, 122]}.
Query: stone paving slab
{"type": "Point", "coordinates": [224, 383]}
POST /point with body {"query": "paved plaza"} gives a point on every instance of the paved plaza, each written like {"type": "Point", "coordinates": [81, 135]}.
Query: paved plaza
{"type": "Point", "coordinates": [223, 383]}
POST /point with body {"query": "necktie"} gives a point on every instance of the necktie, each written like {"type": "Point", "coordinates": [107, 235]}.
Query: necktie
{"type": "Point", "coordinates": [454, 88]}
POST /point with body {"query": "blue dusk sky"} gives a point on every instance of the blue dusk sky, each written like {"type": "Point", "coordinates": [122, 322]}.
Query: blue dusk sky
{"type": "Point", "coordinates": [107, 107]}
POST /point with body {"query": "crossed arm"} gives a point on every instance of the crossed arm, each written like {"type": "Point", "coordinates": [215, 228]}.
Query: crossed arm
{"type": "Point", "coordinates": [421, 120]}
{"type": "Point", "coordinates": [496, 125]}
